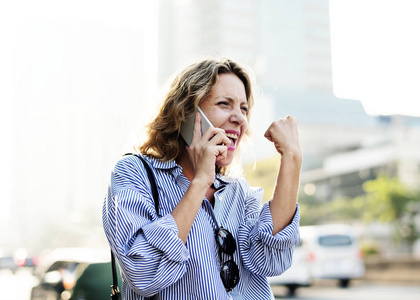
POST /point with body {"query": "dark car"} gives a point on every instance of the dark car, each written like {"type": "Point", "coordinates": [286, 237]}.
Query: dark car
{"type": "Point", "coordinates": [94, 283]}
{"type": "Point", "coordinates": [75, 280]}
{"type": "Point", "coordinates": [58, 281]}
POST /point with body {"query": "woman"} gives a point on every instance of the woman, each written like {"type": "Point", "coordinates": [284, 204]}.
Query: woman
{"type": "Point", "coordinates": [213, 229]}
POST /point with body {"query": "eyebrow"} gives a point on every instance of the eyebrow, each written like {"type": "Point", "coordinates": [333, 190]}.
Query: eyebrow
{"type": "Point", "coordinates": [230, 99]}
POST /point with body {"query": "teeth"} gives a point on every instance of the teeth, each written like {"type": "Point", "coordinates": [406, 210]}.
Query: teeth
{"type": "Point", "coordinates": [232, 135]}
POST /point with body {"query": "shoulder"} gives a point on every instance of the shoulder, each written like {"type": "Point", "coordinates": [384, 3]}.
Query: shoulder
{"type": "Point", "coordinates": [128, 171]}
{"type": "Point", "coordinates": [129, 164]}
{"type": "Point", "coordinates": [133, 168]}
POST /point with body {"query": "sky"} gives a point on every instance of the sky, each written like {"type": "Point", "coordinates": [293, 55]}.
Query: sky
{"type": "Point", "coordinates": [375, 47]}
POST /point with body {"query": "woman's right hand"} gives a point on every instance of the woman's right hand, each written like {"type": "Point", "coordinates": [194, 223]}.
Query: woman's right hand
{"type": "Point", "coordinates": [205, 149]}
{"type": "Point", "coordinates": [202, 153]}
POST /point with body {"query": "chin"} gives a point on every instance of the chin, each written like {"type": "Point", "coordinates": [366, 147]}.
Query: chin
{"type": "Point", "coordinates": [224, 162]}
{"type": "Point", "coordinates": [221, 164]}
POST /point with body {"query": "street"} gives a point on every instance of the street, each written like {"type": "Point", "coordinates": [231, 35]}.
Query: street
{"type": "Point", "coordinates": [18, 287]}
{"type": "Point", "coordinates": [360, 291]}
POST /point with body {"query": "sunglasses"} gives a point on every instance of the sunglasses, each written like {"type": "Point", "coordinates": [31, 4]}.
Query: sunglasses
{"type": "Point", "coordinates": [229, 271]}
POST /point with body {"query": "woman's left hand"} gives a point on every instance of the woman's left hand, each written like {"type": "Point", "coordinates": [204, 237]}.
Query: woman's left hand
{"type": "Point", "coordinates": [284, 134]}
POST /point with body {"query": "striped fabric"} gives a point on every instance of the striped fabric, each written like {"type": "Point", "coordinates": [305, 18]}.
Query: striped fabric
{"type": "Point", "coordinates": [153, 260]}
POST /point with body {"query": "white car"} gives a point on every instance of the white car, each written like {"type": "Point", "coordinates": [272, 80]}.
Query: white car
{"type": "Point", "coordinates": [334, 252]}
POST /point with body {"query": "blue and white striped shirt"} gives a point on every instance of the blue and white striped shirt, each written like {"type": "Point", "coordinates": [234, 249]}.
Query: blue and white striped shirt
{"type": "Point", "coordinates": [153, 260]}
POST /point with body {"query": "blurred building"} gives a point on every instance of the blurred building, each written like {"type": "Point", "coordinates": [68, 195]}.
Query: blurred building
{"type": "Point", "coordinates": [287, 43]}
{"type": "Point", "coordinates": [294, 48]}
{"type": "Point", "coordinates": [392, 150]}
{"type": "Point", "coordinates": [190, 29]}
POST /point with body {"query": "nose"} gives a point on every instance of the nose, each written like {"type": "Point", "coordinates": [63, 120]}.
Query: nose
{"type": "Point", "coordinates": [238, 117]}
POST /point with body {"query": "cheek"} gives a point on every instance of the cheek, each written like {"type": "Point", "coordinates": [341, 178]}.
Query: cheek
{"type": "Point", "coordinates": [225, 161]}
{"type": "Point", "coordinates": [244, 129]}
{"type": "Point", "coordinates": [216, 117]}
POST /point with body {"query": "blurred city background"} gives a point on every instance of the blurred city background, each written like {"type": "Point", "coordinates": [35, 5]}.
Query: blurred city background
{"type": "Point", "coordinates": [80, 80]}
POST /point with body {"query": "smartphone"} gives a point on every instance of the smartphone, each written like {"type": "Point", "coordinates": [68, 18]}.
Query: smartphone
{"type": "Point", "coordinates": [187, 128]}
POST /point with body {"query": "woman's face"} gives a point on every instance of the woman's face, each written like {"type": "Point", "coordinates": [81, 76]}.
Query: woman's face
{"type": "Point", "coordinates": [227, 107]}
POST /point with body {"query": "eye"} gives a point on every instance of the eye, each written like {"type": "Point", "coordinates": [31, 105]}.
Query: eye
{"type": "Point", "coordinates": [223, 103]}
{"type": "Point", "coordinates": [244, 110]}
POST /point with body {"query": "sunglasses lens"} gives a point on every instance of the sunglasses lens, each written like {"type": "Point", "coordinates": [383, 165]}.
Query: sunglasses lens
{"type": "Point", "coordinates": [229, 274]}
{"type": "Point", "coordinates": [226, 241]}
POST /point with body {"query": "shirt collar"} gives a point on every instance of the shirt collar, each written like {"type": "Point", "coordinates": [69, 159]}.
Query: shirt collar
{"type": "Point", "coordinates": [160, 164]}
{"type": "Point", "coordinates": [170, 166]}
{"type": "Point", "coordinates": [221, 181]}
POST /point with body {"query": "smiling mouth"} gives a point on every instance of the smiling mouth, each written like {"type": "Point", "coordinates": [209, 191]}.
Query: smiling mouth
{"type": "Point", "coordinates": [234, 138]}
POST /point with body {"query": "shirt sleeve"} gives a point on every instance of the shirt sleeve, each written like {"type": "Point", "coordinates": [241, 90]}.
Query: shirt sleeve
{"type": "Point", "coordinates": [150, 253]}
{"type": "Point", "coordinates": [261, 252]}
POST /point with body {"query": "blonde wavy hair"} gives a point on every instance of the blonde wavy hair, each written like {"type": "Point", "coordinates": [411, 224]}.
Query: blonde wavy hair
{"type": "Point", "coordinates": [187, 91]}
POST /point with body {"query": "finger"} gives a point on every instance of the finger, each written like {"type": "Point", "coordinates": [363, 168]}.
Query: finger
{"type": "Point", "coordinates": [211, 132]}
{"type": "Point", "coordinates": [292, 119]}
{"type": "Point", "coordinates": [220, 138]}
{"type": "Point", "coordinates": [197, 129]}
{"type": "Point", "coordinates": [217, 136]}
{"type": "Point", "coordinates": [267, 135]}
{"type": "Point", "coordinates": [222, 152]}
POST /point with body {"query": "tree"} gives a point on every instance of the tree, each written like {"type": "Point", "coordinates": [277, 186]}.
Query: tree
{"type": "Point", "coordinates": [390, 200]}
{"type": "Point", "coordinates": [263, 174]}
{"type": "Point", "coordinates": [313, 211]}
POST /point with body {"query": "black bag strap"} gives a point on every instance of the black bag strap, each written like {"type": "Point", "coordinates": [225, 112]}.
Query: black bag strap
{"type": "Point", "coordinates": [114, 287]}
{"type": "Point", "coordinates": [115, 292]}
{"type": "Point", "coordinates": [152, 183]}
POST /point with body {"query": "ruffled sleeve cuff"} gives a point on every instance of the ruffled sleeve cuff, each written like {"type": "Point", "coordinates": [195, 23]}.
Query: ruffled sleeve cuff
{"type": "Point", "coordinates": [163, 235]}
{"type": "Point", "coordinates": [286, 238]}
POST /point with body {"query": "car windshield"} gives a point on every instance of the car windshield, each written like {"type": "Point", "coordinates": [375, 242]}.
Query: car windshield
{"type": "Point", "coordinates": [70, 266]}
{"type": "Point", "coordinates": [335, 240]}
